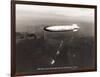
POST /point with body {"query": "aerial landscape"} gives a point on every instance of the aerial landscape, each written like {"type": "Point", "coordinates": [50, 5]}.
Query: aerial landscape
{"type": "Point", "coordinates": [39, 46]}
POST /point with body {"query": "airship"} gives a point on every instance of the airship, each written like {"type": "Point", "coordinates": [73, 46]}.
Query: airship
{"type": "Point", "coordinates": [61, 28]}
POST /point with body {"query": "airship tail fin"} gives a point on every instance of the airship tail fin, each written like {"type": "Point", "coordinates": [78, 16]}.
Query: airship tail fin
{"type": "Point", "coordinates": [75, 26]}
{"type": "Point", "coordinates": [75, 30]}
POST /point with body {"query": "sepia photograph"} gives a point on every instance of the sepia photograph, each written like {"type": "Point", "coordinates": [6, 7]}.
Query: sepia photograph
{"type": "Point", "coordinates": [52, 38]}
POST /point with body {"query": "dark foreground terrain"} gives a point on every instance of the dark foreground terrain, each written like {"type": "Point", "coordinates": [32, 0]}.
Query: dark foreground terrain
{"type": "Point", "coordinates": [33, 54]}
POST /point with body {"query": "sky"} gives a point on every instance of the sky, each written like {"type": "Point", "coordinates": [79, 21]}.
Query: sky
{"type": "Point", "coordinates": [33, 18]}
